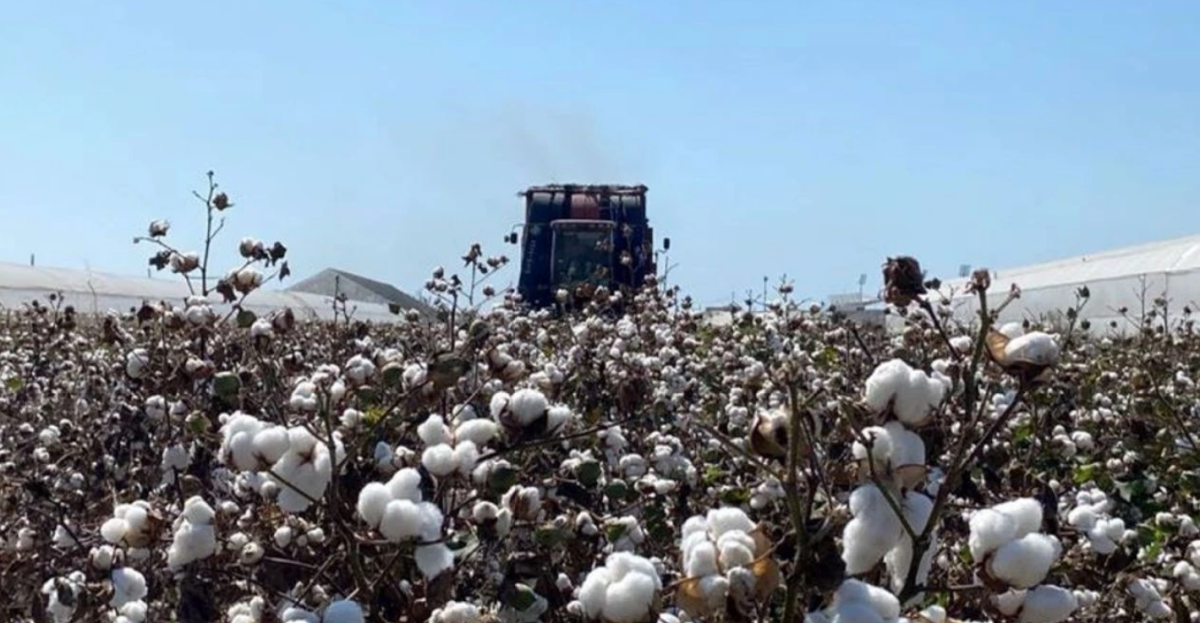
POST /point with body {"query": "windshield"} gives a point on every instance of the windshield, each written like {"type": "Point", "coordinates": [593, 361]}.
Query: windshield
{"type": "Point", "coordinates": [582, 256]}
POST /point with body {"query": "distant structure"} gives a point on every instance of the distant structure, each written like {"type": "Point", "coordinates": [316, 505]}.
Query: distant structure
{"type": "Point", "coordinates": [98, 293]}
{"type": "Point", "coordinates": [332, 282]}
{"type": "Point", "coordinates": [858, 307]}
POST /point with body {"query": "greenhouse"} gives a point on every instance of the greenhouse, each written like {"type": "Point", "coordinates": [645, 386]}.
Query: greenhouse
{"type": "Point", "coordinates": [97, 292]}
{"type": "Point", "coordinates": [1128, 278]}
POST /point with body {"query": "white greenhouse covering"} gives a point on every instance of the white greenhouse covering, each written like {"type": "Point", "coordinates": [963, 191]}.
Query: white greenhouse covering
{"type": "Point", "coordinates": [1121, 278]}
{"type": "Point", "coordinates": [94, 292]}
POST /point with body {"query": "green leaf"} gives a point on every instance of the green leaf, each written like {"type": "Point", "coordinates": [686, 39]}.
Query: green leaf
{"type": "Point", "coordinates": [245, 318]}
{"type": "Point", "coordinates": [15, 383]}
{"type": "Point", "coordinates": [613, 532]}
{"type": "Point", "coordinates": [226, 385]}
{"type": "Point", "coordinates": [502, 479]}
{"type": "Point", "coordinates": [712, 474]}
{"type": "Point", "coordinates": [735, 496]}
{"type": "Point", "coordinates": [548, 536]}
{"type": "Point", "coordinates": [589, 473]}
{"type": "Point", "coordinates": [616, 490]}
{"type": "Point", "coordinates": [523, 598]}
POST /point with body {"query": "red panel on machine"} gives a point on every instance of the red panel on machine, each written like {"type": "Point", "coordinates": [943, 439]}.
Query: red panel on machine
{"type": "Point", "coordinates": [585, 207]}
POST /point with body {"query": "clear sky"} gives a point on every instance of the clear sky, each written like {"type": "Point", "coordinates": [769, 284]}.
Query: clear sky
{"type": "Point", "coordinates": [798, 137]}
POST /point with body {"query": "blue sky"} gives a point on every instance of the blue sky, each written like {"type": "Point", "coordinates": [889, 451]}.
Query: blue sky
{"type": "Point", "coordinates": [806, 138]}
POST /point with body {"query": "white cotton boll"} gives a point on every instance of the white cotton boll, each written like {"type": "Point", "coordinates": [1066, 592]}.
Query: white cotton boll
{"type": "Point", "coordinates": [197, 511]}
{"type": "Point", "coordinates": [881, 445]}
{"type": "Point", "coordinates": [439, 460]}
{"type": "Point", "coordinates": [1010, 603]}
{"type": "Point", "coordinates": [251, 554]}
{"type": "Point", "coordinates": [996, 526]}
{"type": "Point", "coordinates": [114, 530]}
{"type": "Point", "coordinates": [935, 614]}
{"type": "Point", "coordinates": [857, 612]}
{"type": "Point", "coordinates": [456, 612]}
{"type": "Point", "coordinates": [1024, 563]}
{"type": "Point", "coordinates": [128, 585]}
{"type": "Point", "coordinates": [730, 518]}
{"type": "Point", "coordinates": [102, 557]}
{"type": "Point", "coordinates": [528, 405]}
{"type": "Point", "coordinates": [1048, 604]}
{"type": "Point", "coordinates": [874, 530]}
{"type": "Point", "coordinates": [261, 328]}
{"type": "Point", "coordinates": [1035, 347]}
{"type": "Point", "coordinates": [735, 554]}
{"type": "Point", "coordinates": [433, 431]}
{"type": "Point", "coordinates": [498, 403]}
{"type": "Point", "coordinates": [401, 520]}
{"type": "Point", "coordinates": [405, 484]}
{"type": "Point", "coordinates": [466, 456]}
{"type": "Point", "coordinates": [304, 397]}
{"type": "Point", "coordinates": [907, 447]}
{"type": "Point", "coordinates": [628, 600]}
{"type": "Point", "coordinates": [961, 343]}
{"type": "Point", "coordinates": [295, 614]}
{"type": "Point", "coordinates": [1083, 440]}
{"type": "Point", "coordinates": [343, 611]}
{"type": "Point", "coordinates": [594, 592]}
{"type": "Point", "coordinates": [1082, 517]}
{"type": "Point", "coordinates": [372, 502]}
{"type": "Point", "coordinates": [478, 431]}
{"type": "Point", "coordinates": [283, 536]}
{"type": "Point", "coordinates": [880, 601]}
{"type": "Point", "coordinates": [1012, 330]}
{"type": "Point", "coordinates": [1187, 526]}
{"type": "Point", "coordinates": [431, 521]}
{"type": "Point", "coordinates": [701, 560]}
{"type": "Point", "coordinates": [556, 417]}
{"type": "Point", "coordinates": [484, 512]}
{"type": "Point", "coordinates": [134, 611]}
{"type": "Point", "coordinates": [433, 560]}
{"type": "Point", "coordinates": [352, 418]}
{"type": "Point", "coordinates": [272, 443]}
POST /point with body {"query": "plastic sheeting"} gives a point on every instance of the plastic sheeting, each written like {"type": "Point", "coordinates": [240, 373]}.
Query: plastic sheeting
{"type": "Point", "coordinates": [1129, 278]}
{"type": "Point", "coordinates": [93, 292]}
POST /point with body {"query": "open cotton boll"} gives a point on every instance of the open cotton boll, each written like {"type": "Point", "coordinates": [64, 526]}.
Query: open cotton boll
{"type": "Point", "coordinates": [433, 431]}
{"type": "Point", "coordinates": [401, 520]}
{"type": "Point", "coordinates": [1002, 523]}
{"type": "Point", "coordinates": [466, 456]}
{"type": "Point", "coordinates": [556, 417]}
{"type": "Point", "coordinates": [1035, 347]}
{"type": "Point", "coordinates": [477, 431]}
{"type": "Point", "coordinates": [907, 447]}
{"type": "Point", "coordinates": [911, 393]}
{"type": "Point", "coordinates": [498, 404]}
{"type": "Point", "coordinates": [622, 591]}
{"type": "Point", "coordinates": [343, 611]}
{"type": "Point", "coordinates": [1012, 330]}
{"type": "Point", "coordinates": [1048, 604]}
{"type": "Point", "coordinates": [439, 460]}
{"type": "Point", "coordinates": [128, 585]}
{"type": "Point", "coordinates": [195, 536]}
{"type": "Point", "coordinates": [874, 530]}
{"type": "Point", "coordinates": [456, 612]}
{"type": "Point", "coordinates": [1024, 563]}
{"type": "Point", "coordinates": [881, 446]}
{"type": "Point", "coordinates": [917, 510]}
{"type": "Point", "coordinates": [727, 519]}
{"type": "Point", "coordinates": [405, 484]}
{"type": "Point", "coordinates": [528, 405]}
{"type": "Point", "coordinates": [372, 502]}
{"type": "Point", "coordinates": [854, 593]}
{"type": "Point", "coordinates": [433, 560]}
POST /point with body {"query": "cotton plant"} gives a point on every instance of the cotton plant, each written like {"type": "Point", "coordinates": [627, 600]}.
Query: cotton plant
{"type": "Point", "coordinates": [1091, 515]}
{"type": "Point", "coordinates": [195, 535]}
{"type": "Point", "coordinates": [298, 463]}
{"type": "Point", "coordinates": [397, 510]}
{"type": "Point", "coordinates": [725, 559]}
{"type": "Point", "coordinates": [627, 589]}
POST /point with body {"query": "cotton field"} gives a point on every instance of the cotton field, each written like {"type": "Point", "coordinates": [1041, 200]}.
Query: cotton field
{"type": "Point", "coordinates": [621, 463]}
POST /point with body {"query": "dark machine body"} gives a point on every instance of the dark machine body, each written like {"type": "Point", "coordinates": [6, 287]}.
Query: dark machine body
{"type": "Point", "coordinates": [577, 237]}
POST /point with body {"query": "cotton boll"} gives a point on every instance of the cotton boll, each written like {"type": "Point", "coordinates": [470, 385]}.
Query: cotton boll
{"type": "Point", "coordinates": [433, 431]}
{"type": "Point", "coordinates": [1082, 517]}
{"type": "Point", "coordinates": [993, 527]}
{"type": "Point", "coordinates": [528, 405]}
{"type": "Point", "coordinates": [629, 599]}
{"type": "Point", "coordinates": [401, 520]}
{"type": "Point", "coordinates": [343, 611]}
{"type": "Point", "coordinates": [478, 431]}
{"type": "Point", "coordinates": [881, 445]}
{"type": "Point", "coordinates": [594, 592]}
{"type": "Point", "coordinates": [271, 443]}
{"type": "Point", "coordinates": [439, 460]}
{"type": "Point", "coordinates": [1035, 347]}
{"type": "Point", "coordinates": [1024, 563]}
{"type": "Point", "coordinates": [283, 536]}
{"type": "Point", "coordinates": [701, 560]}
{"type": "Point", "coordinates": [881, 602]}
{"type": "Point", "coordinates": [874, 530]}
{"type": "Point", "coordinates": [1048, 604]}
{"type": "Point", "coordinates": [727, 519]}
{"type": "Point", "coordinates": [456, 612]}
{"type": "Point", "coordinates": [114, 530]}
{"type": "Point", "coordinates": [1010, 603]}
{"type": "Point", "coordinates": [372, 502]}
{"type": "Point", "coordinates": [405, 484]}
{"type": "Point", "coordinates": [433, 560]}
{"type": "Point", "coordinates": [466, 455]}
{"type": "Point", "coordinates": [498, 404]}
{"type": "Point", "coordinates": [857, 612]}
{"type": "Point", "coordinates": [907, 447]}
{"type": "Point", "coordinates": [128, 585]}
{"type": "Point", "coordinates": [556, 417]}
